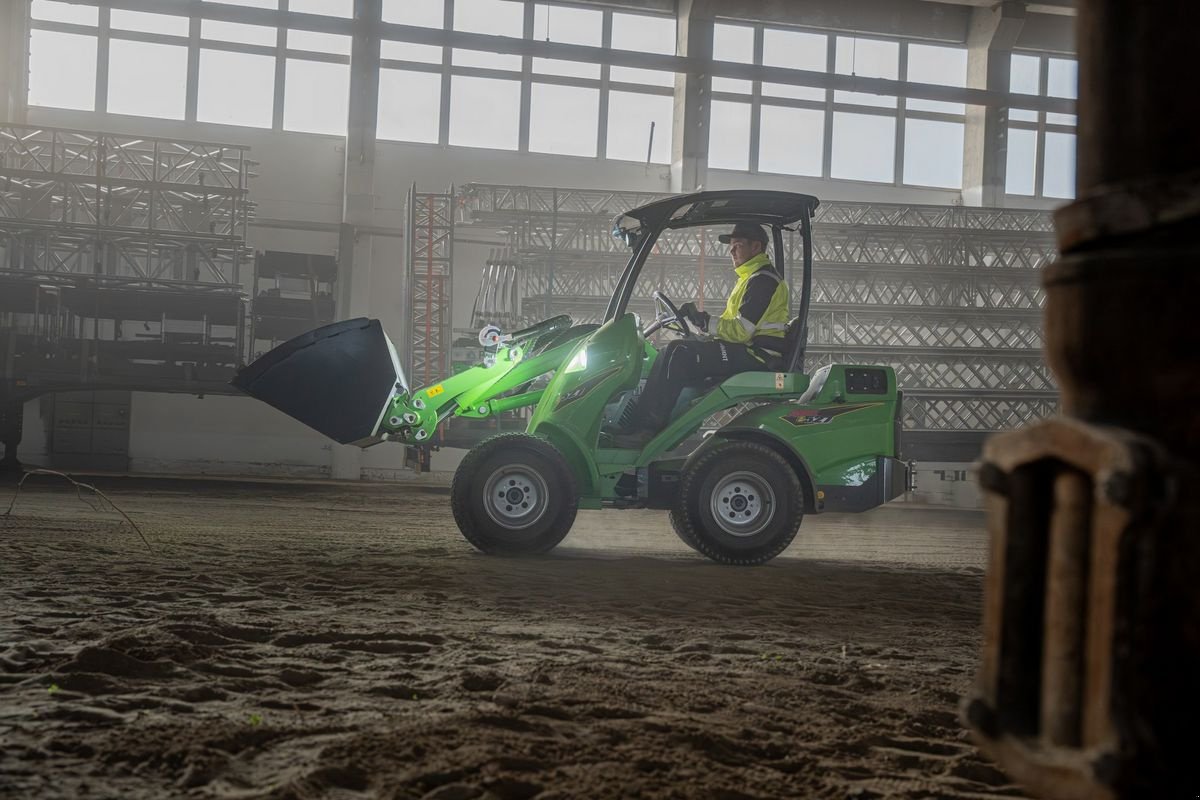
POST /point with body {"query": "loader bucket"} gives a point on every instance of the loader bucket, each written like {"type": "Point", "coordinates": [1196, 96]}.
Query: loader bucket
{"type": "Point", "coordinates": [337, 379]}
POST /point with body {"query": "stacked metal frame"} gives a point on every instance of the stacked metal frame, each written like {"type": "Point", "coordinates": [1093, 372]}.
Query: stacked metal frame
{"type": "Point", "coordinates": [429, 233]}
{"type": "Point", "coordinates": [121, 261]}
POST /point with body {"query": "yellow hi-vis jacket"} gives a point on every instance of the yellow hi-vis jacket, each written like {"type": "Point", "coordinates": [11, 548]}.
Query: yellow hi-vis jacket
{"type": "Point", "coordinates": [757, 307]}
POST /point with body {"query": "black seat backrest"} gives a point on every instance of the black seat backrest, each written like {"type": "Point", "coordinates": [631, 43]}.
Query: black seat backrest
{"type": "Point", "coordinates": [793, 345]}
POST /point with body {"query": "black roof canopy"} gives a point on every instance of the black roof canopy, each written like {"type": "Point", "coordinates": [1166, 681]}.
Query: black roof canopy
{"type": "Point", "coordinates": [729, 206]}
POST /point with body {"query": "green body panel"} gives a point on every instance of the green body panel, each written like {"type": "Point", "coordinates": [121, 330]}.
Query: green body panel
{"type": "Point", "coordinates": [838, 435]}
{"type": "Point", "coordinates": [571, 409]}
{"type": "Point", "coordinates": [736, 389]}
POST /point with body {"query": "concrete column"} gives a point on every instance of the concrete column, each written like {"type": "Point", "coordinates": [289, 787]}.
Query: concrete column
{"type": "Point", "coordinates": [358, 199]}
{"type": "Point", "coordinates": [990, 39]}
{"type": "Point", "coordinates": [693, 94]}
{"type": "Point", "coordinates": [14, 61]}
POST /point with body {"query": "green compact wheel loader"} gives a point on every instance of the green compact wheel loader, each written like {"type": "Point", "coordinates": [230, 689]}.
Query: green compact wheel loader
{"type": "Point", "coordinates": [804, 443]}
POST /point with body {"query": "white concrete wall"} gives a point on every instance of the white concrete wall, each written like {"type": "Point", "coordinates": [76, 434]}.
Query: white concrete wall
{"type": "Point", "coordinates": [220, 435]}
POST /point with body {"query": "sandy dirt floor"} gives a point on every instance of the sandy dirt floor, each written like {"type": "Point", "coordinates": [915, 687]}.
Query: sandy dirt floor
{"type": "Point", "coordinates": [291, 640]}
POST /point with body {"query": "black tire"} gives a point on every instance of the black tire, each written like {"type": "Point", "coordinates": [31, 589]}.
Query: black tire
{"type": "Point", "coordinates": [679, 525]}
{"type": "Point", "coordinates": [535, 495]}
{"type": "Point", "coordinates": [759, 499]}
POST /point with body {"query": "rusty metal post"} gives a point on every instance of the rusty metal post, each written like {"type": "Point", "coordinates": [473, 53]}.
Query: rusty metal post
{"type": "Point", "coordinates": [1090, 678]}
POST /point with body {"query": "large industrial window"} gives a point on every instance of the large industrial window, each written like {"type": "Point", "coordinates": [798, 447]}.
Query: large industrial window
{"type": "Point", "coordinates": [795, 50]}
{"type": "Point", "coordinates": [273, 4]}
{"type": "Point", "coordinates": [142, 22]}
{"type": "Point", "coordinates": [729, 136]}
{"type": "Point", "coordinates": [424, 13]}
{"type": "Point", "coordinates": [791, 140]}
{"type": "Point", "coordinates": [476, 97]}
{"type": "Point", "coordinates": [52, 11]}
{"type": "Point", "coordinates": [409, 105]}
{"type": "Point", "coordinates": [643, 34]}
{"type": "Point", "coordinates": [864, 147]}
{"type": "Point", "coordinates": [492, 17]}
{"type": "Point", "coordinates": [733, 43]}
{"type": "Point", "coordinates": [316, 42]}
{"type": "Point", "coordinates": [933, 153]}
{"type": "Point", "coordinates": [568, 26]}
{"type": "Point", "coordinates": [563, 119]}
{"type": "Point", "coordinates": [62, 70]}
{"type": "Point", "coordinates": [236, 88]}
{"type": "Point", "coordinates": [841, 134]}
{"type": "Point", "coordinates": [406, 51]}
{"type": "Point", "coordinates": [331, 8]}
{"type": "Point", "coordinates": [933, 129]}
{"type": "Point", "coordinates": [639, 125]}
{"type": "Point", "coordinates": [485, 112]}
{"type": "Point", "coordinates": [316, 96]}
{"type": "Point", "coordinates": [1058, 177]}
{"type": "Point", "coordinates": [866, 58]}
{"type": "Point", "coordinates": [1021, 171]}
{"type": "Point", "coordinates": [220, 31]}
{"type": "Point", "coordinates": [941, 66]}
{"type": "Point", "coordinates": [146, 80]}
{"type": "Point", "coordinates": [1041, 144]}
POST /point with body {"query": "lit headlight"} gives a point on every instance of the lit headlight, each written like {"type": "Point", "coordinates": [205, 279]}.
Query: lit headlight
{"type": "Point", "coordinates": [578, 361]}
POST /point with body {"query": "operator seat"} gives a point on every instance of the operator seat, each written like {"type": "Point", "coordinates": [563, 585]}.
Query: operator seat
{"type": "Point", "coordinates": [793, 345]}
{"type": "Point", "coordinates": [792, 350]}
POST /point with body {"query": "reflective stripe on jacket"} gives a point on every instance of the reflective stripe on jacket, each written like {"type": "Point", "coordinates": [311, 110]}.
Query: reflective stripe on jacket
{"type": "Point", "coordinates": [758, 305]}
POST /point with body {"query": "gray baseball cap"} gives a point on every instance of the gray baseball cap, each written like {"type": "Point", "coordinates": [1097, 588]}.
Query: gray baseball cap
{"type": "Point", "coordinates": [745, 230]}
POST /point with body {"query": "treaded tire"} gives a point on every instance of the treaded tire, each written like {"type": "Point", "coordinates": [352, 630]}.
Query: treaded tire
{"type": "Point", "coordinates": [524, 467]}
{"type": "Point", "coordinates": [771, 517]}
{"type": "Point", "coordinates": [679, 525]}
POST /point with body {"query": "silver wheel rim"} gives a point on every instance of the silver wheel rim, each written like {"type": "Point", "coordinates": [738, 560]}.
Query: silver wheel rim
{"type": "Point", "coordinates": [515, 496]}
{"type": "Point", "coordinates": [742, 504]}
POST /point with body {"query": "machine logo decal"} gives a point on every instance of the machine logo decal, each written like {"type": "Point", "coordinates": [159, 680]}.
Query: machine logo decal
{"type": "Point", "coordinates": [434, 391]}
{"type": "Point", "coordinates": [821, 416]}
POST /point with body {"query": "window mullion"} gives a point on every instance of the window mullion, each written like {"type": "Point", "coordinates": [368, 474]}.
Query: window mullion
{"type": "Point", "coordinates": [1040, 145]}
{"type": "Point", "coordinates": [192, 91]}
{"type": "Point", "coordinates": [444, 115]}
{"type": "Point", "coordinates": [756, 100]}
{"type": "Point", "coordinates": [102, 47]}
{"type": "Point", "coordinates": [280, 72]}
{"type": "Point", "coordinates": [602, 115]}
{"type": "Point", "coordinates": [901, 105]}
{"type": "Point", "coordinates": [526, 85]}
{"type": "Point", "coordinates": [827, 139]}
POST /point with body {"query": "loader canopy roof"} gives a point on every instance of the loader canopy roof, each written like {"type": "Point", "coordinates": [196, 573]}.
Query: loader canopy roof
{"type": "Point", "coordinates": [714, 208]}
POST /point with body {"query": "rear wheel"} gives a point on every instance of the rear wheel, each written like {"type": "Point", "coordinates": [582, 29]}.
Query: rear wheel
{"type": "Point", "coordinates": [514, 494]}
{"type": "Point", "coordinates": [739, 503]}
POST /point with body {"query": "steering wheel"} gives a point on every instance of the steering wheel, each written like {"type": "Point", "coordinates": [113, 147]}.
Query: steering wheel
{"type": "Point", "coordinates": [668, 318]}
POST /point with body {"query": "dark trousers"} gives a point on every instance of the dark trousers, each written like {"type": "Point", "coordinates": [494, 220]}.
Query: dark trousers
{"type": "Point", "coordinates": [685, 362]}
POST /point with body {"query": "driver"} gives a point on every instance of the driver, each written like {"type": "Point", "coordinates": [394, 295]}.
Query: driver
{"type": "Point", "coordinates": [749, 335]}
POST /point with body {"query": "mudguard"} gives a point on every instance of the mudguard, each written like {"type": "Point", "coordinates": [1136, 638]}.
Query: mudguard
{"type": "Point", "coordinates": [338, 379]}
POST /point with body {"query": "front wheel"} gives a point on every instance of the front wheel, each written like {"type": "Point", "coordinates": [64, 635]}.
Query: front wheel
{"type": "Point", "coordinates": [739, 503]}
{"type": "Point", "coordinates": [514, 494]}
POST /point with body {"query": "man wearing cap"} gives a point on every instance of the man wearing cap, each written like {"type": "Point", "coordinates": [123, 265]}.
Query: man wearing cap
{"type": "Point", "coordinates": [749, 335]}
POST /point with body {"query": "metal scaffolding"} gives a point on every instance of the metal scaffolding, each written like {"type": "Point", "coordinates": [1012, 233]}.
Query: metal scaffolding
{"type": "Point", "coordinates": [121, 262]}
{"type": "Point", "coordinates": [124, 206]}
{"type": "Point", "coordinates": [949, 296]}
{"type": "Point", "coordinates": [430, 237]}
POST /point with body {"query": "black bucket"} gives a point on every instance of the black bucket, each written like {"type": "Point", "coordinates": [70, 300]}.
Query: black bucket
{"type": "Point", "coordinates": [337, 380]}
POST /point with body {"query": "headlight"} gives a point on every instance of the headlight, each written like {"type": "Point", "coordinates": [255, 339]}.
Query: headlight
{"type": "Point", "coordinates": [578, 361]}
